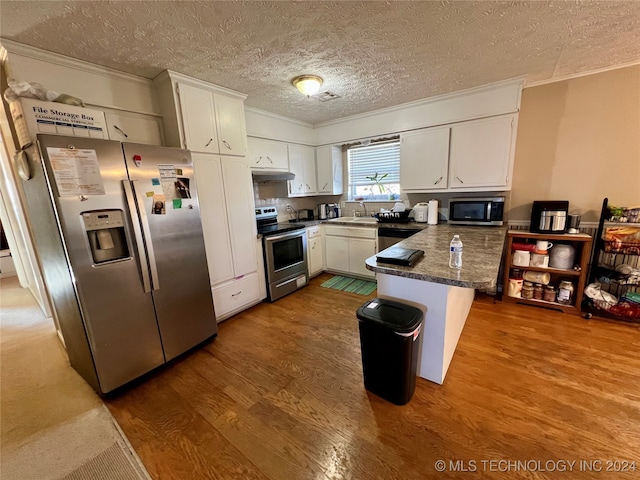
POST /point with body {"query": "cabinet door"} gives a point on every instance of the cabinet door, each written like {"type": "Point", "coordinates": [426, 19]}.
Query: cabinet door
{"type": "Point", "coordinates": [359, 250]}
{"type": "Point", "coordinates": [337, 253]}
{"type": "Point", "coordinates": [232, 135]}
{"type": "Point", "coordinates": [132, 127]}
{"type": "Point", "coordinates": [213, 213]}
{"type": "Point", "coordinates": [310, 178]}
{"type": "Point", "coordinates": [424, 158]}
{"type": "Point", "coordinates": [481, 153]}
{"type": "Point", "coordinates": [198, 119]}
{"type": "Point", "coordinates": [296, 166]}
{"type": "Point", "coordinates": [267, 154]}
{"type": "Point", "coordinates": [238, 189]}
{"type": "Point", "coordinates": [315, 255]}
{"type": "Point", "coordinates": [329, 170]}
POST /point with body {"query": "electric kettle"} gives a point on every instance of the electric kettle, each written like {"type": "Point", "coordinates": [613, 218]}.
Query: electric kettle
{"type": "Point", "coordinates": [323, 211]}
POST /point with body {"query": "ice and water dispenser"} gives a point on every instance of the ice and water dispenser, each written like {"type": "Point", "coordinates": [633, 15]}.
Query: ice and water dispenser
{"type": "Point", "coordinates": [106, 235]}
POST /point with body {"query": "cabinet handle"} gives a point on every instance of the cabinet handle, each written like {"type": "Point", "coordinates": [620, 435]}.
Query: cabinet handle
{"type": "Point", "coordinates": [458, 178]}
{"type": "Point", "coordinates": [325, 186]}
{"type": "Point", "coordinates": [224, 142]}
{"type": "Point", "coordinates": [259, 159]}
{"type": "Point", "coordinates": [269, 158]}
{"type": "Point", "coordinates": [437, 181]}
{"type": "Point", "coordinates": [121, 131]}
{"type": "Point", "coordinates": [236, 294]}
{"type": "Point", "coordinates": [209, 142]}
{"type": "Point", "coordinates": [308, 186]}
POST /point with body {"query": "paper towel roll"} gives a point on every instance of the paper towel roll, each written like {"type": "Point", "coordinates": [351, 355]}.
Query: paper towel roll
{"type": "Point", "coordinates": [432, 219]}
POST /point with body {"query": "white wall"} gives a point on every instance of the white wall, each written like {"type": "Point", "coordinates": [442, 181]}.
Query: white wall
{"type": "Point", "coordinates": [97, 86]}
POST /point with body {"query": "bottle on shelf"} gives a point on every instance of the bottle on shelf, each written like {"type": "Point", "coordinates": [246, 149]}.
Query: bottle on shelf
{"type": "Point", "coordinates": [455, 252]}
{"type": "Point", "coordinates": [565, 292]}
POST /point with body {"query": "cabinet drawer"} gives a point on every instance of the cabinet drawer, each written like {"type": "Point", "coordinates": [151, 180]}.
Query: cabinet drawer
{"type": "Point", "coordinates": [314, 232]}
{"type": "Point", "coordinates": [235, 294]}
{"type": "Point", "coordinates": [352, 232]}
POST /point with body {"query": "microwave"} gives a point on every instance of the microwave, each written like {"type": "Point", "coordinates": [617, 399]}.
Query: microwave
{"type": "Point", "coordinates": [476, 211]}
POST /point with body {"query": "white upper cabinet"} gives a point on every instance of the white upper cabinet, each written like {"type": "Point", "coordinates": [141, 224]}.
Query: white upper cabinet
{"type": "Point", "coordinates": [201, 117]}
{"type": "Point", "coordinates": [267, 155]}
{"type": "Point", "coordinates": [470, 156]}
{"type": "Point", "coordinates": [329, 169]}
{"type": "Point", "coordinates": [198, 119]}
{"type": "Point", "coordinates": [424, 159]}
{"type": "Point", "coordinates": [482, 153]}
{"type": "Point", "coordinates": [302, 163]}
{"type": "Point", "coordinates": [232, 135]}
{"type": "Point", "coordinates": [133, 127]}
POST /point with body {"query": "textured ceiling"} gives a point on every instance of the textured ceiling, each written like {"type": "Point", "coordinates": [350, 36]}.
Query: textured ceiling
{"type": "Point", "coordinates": [372, 54]}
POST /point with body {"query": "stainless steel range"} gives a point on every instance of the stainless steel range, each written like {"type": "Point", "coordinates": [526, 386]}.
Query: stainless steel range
{"type": "Point", "coordinates": [285, 253]}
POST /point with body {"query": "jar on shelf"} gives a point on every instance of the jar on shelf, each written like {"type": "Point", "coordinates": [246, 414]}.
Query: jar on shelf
{"type": "Point", "coordinates": [515, 273]}
{"type": "Point", "coordinates": [538, 291]}
{"type": "Point", "coordinates": [549, 294]}
{"type": "Point", "coordinates": [565, 292]}
{"type": "Point", "coordinates": [527, 290]}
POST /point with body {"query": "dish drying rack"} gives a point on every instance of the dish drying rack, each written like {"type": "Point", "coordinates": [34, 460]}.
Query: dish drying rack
{"type": "Point", "coordinates": [613, 290]}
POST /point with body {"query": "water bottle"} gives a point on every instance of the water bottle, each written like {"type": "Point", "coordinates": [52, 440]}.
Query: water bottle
{"type": "Point", "coordinates": [455, 252]}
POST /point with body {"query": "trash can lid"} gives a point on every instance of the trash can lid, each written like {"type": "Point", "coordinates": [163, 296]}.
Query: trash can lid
{"type": "Point", "coordinates": [394, 315]}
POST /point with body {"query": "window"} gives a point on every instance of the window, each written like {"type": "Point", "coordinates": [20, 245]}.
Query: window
{"type": "Point", "coordinates": [374, 171]}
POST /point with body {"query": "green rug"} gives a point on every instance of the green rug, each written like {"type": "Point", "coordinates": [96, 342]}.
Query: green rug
{"type": "Point", "coordinates": [353, 285]}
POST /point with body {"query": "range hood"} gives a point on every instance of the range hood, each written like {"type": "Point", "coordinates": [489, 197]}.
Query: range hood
{"type": "Point", "coordinates": [271, 176]}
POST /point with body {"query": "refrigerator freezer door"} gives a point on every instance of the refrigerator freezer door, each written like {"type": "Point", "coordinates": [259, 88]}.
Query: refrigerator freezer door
{"type": "Point", "coordinates": [86, 177]}
{"type": "Point", "coordinates": [165, 189]}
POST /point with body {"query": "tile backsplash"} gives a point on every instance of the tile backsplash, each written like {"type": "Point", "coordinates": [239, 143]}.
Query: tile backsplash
{"type": "Point", "coordinates": [275, 193]}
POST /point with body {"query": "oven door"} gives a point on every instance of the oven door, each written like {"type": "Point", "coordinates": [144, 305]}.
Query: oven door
{"type": "Point", "coordinates": [285, 255]}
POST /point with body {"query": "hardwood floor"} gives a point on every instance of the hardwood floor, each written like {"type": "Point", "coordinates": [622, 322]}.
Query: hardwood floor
{"type": "Point", "coordinates": [279, 395]}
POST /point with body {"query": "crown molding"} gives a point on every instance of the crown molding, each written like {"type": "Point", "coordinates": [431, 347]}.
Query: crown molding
{"type": "Point", "coordinates": [427, 101]}
{"type": "Point", "coordinates": [170, 75]}
{"type": "Point", "coordinates": [264, 113]}
{"type": "Point", "coordinates": [57, 59]}
{"type": "Point", "coordinates": [578, 75]}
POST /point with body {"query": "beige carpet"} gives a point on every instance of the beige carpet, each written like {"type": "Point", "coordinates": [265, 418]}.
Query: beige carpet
{"type": "Point", "coordinates": [53, 425]}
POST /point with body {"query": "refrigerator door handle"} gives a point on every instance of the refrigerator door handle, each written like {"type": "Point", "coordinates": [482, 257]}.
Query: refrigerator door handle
{"type": "Point", "coordinates": [146, 283]}
{"type": "Point", "coordinates": [155, 283]}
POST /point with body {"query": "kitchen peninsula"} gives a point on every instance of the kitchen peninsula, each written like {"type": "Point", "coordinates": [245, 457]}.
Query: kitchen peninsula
{"type": "Point", "coordinates": [444, 294]}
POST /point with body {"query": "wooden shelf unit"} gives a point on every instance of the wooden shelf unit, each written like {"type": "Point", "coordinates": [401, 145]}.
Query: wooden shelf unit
{"type": "Point", "coordinates": [581, 242]}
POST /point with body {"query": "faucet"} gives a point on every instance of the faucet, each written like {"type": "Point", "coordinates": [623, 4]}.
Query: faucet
{"type": "Point", "coordinates": [364, 207]}
{"type": "Point", "coordinates": [291, 210]}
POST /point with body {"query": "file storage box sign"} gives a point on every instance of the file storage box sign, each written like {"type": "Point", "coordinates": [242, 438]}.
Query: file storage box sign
{"type": "Point", "coordinates": [31, 117]}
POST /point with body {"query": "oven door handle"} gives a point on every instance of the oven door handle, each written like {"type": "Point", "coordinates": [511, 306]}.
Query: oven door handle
{"type": "Point", "coordinates": [274, 238]}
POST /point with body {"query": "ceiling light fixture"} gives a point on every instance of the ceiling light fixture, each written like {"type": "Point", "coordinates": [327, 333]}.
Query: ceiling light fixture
{"type": "Point", "coordinates": [307, 84]}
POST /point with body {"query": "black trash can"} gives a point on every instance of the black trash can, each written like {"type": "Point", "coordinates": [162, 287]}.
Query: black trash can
{"type": "Point", "coordinates": [389, 335]}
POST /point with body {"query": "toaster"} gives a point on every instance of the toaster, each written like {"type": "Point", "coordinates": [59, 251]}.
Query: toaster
{"type": "Point", "coordinates": [305, 214]}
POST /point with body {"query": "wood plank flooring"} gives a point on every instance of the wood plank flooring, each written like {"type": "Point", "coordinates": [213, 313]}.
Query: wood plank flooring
{"type": "Point", "coordinates": [279, 395]}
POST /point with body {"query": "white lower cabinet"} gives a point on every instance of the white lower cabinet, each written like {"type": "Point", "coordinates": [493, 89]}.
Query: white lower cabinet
{"type": "Point", "coordinates": [348, 247]}
{"type": "Point", "coordinates": [225, 196]}
{"type": "Point", "coordinates": [234, 296]}
{"type": "Point", "coordinates": [315, 250]}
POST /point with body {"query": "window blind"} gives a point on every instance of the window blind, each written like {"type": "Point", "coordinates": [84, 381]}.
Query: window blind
{"type": "Point", "coordinates": [367, 161]}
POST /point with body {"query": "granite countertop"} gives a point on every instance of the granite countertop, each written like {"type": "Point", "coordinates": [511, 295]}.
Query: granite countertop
{"type": "Point", "coordinates": [373, 223]}
{"type": "Point", "coordinates": [481, 257]}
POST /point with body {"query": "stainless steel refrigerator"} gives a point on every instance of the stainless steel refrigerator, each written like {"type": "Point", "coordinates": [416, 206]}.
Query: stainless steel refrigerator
{"type": "Point", "coordinates": [118, 235]}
